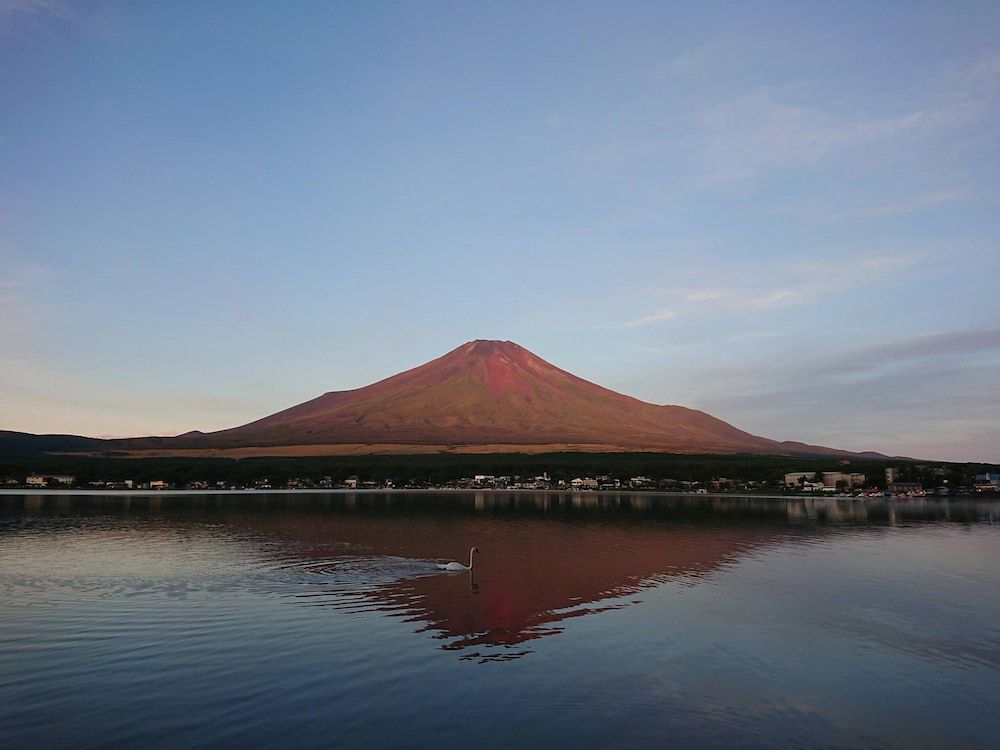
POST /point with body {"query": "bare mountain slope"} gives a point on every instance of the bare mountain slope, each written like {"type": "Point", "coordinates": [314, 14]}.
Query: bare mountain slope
{"type": "Point", "coordinates": [489, 393]}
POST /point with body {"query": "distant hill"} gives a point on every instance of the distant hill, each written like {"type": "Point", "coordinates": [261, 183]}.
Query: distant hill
{"type": "Point", "coordinates": [484, 396]}
{"type": "Point", "coordinates": [26, 444]}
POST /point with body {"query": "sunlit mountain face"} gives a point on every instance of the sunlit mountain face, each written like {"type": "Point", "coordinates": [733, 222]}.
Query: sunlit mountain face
{"type": "Point", "coordinates": [483, 397]}
{"type": "Point", "coordinates": [493, 395]}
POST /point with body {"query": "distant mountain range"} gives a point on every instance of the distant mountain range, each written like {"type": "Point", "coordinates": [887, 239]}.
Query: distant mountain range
{"type": "Point", "coordinates": [484, 396]}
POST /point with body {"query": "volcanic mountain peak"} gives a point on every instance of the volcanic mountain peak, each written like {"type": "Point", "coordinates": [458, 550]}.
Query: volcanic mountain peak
{"type": "Point", "coordinates": [505, 353]}
{"type": "Point", "coordinates": [489, 347]}
{"type": "Point", "coordinates": [492, 370]}
{"type": "Point", "coordinates": [496, 353]}
{"type": "Point", "coordinates": [505, 369]}
{"type": "Point", "coordinates": [483, 396]}
{"type": "Point", "coordinates": [493, 393]}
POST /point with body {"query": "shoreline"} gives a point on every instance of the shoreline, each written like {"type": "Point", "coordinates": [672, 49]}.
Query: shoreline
{"type": "Point", "coordinates": [461, 491]}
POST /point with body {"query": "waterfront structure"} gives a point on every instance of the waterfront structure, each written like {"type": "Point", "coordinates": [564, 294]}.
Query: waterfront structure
{"type": "Point", "coordinates": [987, 482]}
{"type": "Point", "coordinates": [796, 478]}
{"type": "Point", "coordinates": [852, 480]}
{"type": "Point", "coordinates": [47, 480]}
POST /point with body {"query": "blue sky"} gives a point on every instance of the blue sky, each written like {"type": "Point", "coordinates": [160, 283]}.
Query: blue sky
{"type": "Point", "coordinates": [786, 214]}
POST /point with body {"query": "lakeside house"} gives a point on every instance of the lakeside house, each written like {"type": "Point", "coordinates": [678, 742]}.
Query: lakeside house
{"type": "Point", "coordinates": [986, 482]}
{"type": "Point", "coordinates": [122, 484]}
{"type": "Point", "coordinates": [852, 480]}
{"type": "Point", "coordinates": [49, 480]}
{"type": "Point", "coordinates": [796, 478]}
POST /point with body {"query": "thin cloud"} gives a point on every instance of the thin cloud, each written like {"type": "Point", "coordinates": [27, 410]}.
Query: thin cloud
{"type": "Point", "coordinates": [51, 8]}
{"type": "Point", "coordinates": [809, 282]}
{"type": "Point", "coordinates": [766, 129]}
{"type": "Point", "coordinates": [929, 395]}
{"type": "Point", "coordinates": [707, 295]}
{"type": "Point", "coordinates": [869, 362]}
{"type": "Point", "coordinates": [924, 346]}
{"type": "Point", "coordinates": [657, 316]}
{"type": "Point", "coordinates": [910, 205]}
{"type": "Point", "coordinates": [16, 15]}
{"type": "Point", "coordinates": [720, 51]}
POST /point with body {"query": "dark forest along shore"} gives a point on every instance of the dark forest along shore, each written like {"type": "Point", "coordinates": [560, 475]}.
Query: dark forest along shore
{"type": "Point", "coordinates": [589, 620]}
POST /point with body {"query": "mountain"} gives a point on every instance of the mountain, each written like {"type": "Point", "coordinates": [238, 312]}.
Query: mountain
{"type": "Point", "coordinates": [495, 394]}
{"type": "Point", "coordinates": [26, 444]}
{"type": "Point", "coordinates": [484, 396]}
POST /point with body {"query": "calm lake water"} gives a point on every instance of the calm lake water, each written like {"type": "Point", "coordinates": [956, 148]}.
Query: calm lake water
{"type": "Point", "coordinates": [318, 620]}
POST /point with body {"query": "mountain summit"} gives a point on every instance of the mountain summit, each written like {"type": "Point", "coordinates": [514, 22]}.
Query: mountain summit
{"type": "Point", "coordinates": [499, 395]}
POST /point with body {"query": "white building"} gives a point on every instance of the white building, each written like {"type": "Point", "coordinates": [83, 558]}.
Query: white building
{"type": "Point", "coordinates": [795, 478]}
{"type": "Point", "coordinates": [852, 480]}
{"type": "Point", "coordinates": [42, 480]}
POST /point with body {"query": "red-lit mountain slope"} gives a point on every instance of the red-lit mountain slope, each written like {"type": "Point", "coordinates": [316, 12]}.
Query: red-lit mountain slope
{"type": "Point", "coordinates": [494, 393]}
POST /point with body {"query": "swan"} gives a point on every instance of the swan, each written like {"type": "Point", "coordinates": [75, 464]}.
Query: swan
{"type": "Point", "coordinates": [457, 565]}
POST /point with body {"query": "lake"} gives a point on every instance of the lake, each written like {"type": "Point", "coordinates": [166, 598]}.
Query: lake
{"type": "Point", "coordinates": [590, 620]}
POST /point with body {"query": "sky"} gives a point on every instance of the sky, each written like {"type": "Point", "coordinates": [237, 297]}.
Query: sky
{"type": "Point", "coordinates": [785, 214]}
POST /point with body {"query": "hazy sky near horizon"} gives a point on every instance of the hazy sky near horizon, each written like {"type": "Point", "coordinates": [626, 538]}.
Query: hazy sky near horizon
{"type": "Point", "coordinates": [786, 214]}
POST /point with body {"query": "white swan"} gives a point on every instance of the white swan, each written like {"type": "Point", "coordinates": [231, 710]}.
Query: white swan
{"type": "Point", "coordinates": [458, 565]}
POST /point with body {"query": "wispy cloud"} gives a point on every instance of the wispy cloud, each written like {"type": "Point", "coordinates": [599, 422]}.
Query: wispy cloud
{"type": "Point", "coordinates": [796, 125]}
{"type": "Point", "coordinates": [909, 205]}
{"type": "Point", "coordinates": [55, 8]}
{"type": "Point", "coordinates": [861, 369]}
{"type": "Point", "coordinates": [807, 282]}
{"type": "Point", "coordinates": [657, 316]}
{"type": "Point", "coordinates": [777, 127]}
{"type": "Point", "coordinates": [722, 50]}
{"type": "Point", "coordinates": [928, 395]}
{"type": "Point", "coordinates": [33, 14]}
{"type": "Point", "coordinates": [909, 349]}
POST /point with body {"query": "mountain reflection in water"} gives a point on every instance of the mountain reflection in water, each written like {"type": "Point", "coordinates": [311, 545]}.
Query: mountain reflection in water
{"type": "Point", "coordinates": [545, 557]}
{"type": "Point", "coordinates": [592, 620]}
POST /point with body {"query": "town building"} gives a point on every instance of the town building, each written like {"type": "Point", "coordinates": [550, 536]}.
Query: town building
{"type": "Point", "coordinates": [49, 480]}
{"type": "Point", "coordinates": [987, 482]}
{"type": "Point", "coordinates": [796, 478]}
{"type": "Point", "coordinates": [852, 480]}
